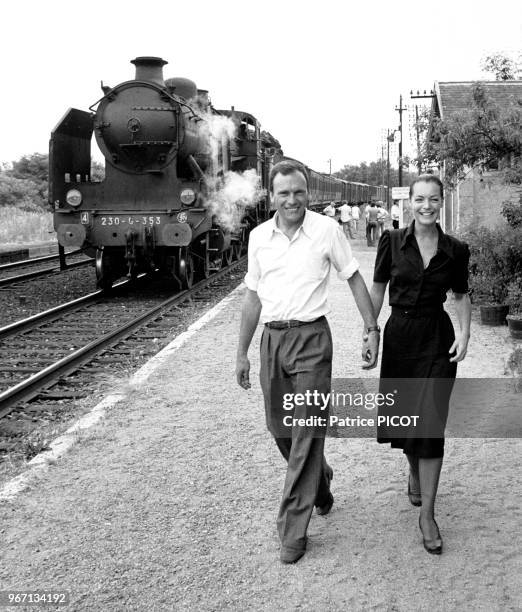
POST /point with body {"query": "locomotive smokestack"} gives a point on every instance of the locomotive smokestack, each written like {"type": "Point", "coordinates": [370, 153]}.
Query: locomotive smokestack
{"type": "Point", "coordinates": [149, 69]}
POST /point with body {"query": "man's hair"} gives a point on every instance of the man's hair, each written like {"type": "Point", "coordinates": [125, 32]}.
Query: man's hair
{"type": "Point", "coordinates": [285, 167]}
{"type": "Point", "coordinates": [427, 178]}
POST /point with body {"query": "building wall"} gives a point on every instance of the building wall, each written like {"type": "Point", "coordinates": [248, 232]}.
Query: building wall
{"type": "Point", "coordinates": [477, 200]}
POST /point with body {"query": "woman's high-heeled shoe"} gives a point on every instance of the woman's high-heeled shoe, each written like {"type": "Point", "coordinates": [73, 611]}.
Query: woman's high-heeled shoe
{"type": "Point", "coordinates": [415, 498]}
{"type": "Point", "coordinates": [434, 547]}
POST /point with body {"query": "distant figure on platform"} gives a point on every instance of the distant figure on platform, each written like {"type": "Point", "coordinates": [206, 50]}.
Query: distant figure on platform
{"type": "Point", "coordinates": [329, 210]}
{"type": "Point", "coordinates": [289, 262]}
{"type": "Point", "coordinates": [382, 215]}
{"type": "Point", "coordinates": [395, 214]}
{"type": "Point", "coordinates": [371, 224]}
{"type": "Point", "coordinates": [355, 217]}
{"type": "Point", "coordinates": [346, 219]}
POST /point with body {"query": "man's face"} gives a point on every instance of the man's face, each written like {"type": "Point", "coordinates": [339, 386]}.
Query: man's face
{"type": "Point", "coordinates": [290, 196]}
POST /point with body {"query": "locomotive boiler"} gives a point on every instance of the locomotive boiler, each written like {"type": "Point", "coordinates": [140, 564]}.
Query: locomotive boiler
{"type": "Point", "coordinates": [162, 163]}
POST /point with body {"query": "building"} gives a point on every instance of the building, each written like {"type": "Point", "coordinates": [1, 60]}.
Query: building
{"type": "Point", "coordinates": [478, 198]}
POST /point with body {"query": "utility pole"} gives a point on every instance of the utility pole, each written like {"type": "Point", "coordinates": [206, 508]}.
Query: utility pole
{"type": "Point", "coordinates": [330, 162]}
{"type": "Point", "coordinates": [419, 163]}
{"type": "Point", "coordinates": [400, 110]}
{"type": "Point", "coordinates": [415, 97]}
{"type": "Point", "coordinates": [389, 138]}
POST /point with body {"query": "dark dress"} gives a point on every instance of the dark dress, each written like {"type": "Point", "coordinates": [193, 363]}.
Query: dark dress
{"type": "Point", "coordinates": [415, 364]}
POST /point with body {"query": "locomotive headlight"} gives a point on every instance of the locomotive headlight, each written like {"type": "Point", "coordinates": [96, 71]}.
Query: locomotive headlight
{"type": "Point", "coordinates": [187, 196]}
{"type": "Point", "coordinates": [73, 197]}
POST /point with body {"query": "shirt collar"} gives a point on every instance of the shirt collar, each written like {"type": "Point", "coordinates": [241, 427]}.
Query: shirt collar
{"type": "Point", "coordinates": [444, 243]}
{"type": "Point", "coordinates": [306, 225]}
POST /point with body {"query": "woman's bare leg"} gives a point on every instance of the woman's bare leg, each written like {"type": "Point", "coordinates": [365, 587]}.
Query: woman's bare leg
{"type": "Point", "coordinates": [429, 473]}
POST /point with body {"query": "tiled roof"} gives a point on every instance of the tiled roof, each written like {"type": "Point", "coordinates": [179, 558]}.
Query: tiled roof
{"type": "Point", "coordinates": [456, 96]}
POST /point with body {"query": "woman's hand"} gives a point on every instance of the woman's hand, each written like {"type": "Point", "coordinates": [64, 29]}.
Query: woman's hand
{"type": "Point", "coordinates": [459, 347]}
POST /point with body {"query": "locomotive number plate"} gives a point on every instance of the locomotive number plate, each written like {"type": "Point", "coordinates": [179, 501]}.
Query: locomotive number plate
{"type": "Point", "coordinates": [130, 220]}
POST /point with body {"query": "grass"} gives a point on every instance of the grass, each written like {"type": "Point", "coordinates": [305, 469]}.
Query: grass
{"type": "Point", "coordinates": [24, 227]}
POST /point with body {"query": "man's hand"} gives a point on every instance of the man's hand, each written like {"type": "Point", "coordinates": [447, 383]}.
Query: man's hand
{"type": "Point", "coordinates": [370, 349]}
{"type": "Point", "coordinates": [243, 371]}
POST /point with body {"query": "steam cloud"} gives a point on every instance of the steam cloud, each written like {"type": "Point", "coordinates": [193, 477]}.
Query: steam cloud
{"type": "Point", "coordinates": [231, 196]}
{"type": "Point", "coordinates": [214, 129]}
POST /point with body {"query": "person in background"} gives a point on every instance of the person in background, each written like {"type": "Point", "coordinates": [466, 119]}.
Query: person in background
{"type": "Point", "coordinates": [382, 215]}
{"type": "Point", "coordinates": [371, 223]}
{"type": "Point", "coordinates": [329, 210]}
{"type": "Point", "coordinates": [346, 219]}
{"type": "Point", "coordinates": [289, 261]}
{"type": "Point", "coordinates": [355, 218]}
{"type": "Point", "coordinates": [394, 214]}
{"type": "Point", "coordinates": [420, 348]}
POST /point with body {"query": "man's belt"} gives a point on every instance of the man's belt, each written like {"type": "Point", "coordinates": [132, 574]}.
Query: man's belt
{"type": "Point", "coordinates": [290, 323]}
{"type": "Point", "coordinates": [416, 313]}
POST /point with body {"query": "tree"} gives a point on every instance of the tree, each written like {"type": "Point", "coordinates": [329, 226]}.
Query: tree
{"type": "Point", "coordinates": [501, 66]}
{"type": "Point", "coordinates": [372, 173]}
{"type": "Point", "coordinates": [22, 193]}
{"type": "Point", "coordinates": [34, 167]}
{"type": "Point", "coordinates": [482, 134]}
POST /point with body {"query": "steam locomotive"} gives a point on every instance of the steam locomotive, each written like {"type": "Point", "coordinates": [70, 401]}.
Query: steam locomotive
{"type": "Point", "coordinates": [163, 165]}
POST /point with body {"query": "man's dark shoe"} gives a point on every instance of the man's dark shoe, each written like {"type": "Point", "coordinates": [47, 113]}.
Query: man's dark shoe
{"type": "Point", "coordinates": [291, 555]}
{"type": "Point", "coordinates": [325, 508]}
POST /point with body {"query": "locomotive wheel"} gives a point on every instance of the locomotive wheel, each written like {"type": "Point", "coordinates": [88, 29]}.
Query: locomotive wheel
{"type": "Point", "coordinates": [104, 272]}
{"type": "Point", "coordinates": [185, 268]}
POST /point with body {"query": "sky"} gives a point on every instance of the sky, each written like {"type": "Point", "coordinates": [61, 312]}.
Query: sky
{"type": "Point", "coordinates": [323, 77]}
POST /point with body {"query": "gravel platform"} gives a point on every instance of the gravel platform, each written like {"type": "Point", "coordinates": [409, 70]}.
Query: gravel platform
{"type": "Point", "coordinates": [170, 503]}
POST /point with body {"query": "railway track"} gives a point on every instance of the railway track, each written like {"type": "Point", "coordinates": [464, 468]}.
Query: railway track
{"type": "Point", "coordinates": [36, 267]}
{"type": "Point", "coordinates": [41, 351]}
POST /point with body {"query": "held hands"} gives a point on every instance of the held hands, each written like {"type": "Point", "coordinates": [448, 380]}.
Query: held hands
{"type": "Point", "coordinates": [459, 347]}
{"type": "Point", "coordinates": [370, 349]}
{"type": "Point", "coordinates": [243, 371]}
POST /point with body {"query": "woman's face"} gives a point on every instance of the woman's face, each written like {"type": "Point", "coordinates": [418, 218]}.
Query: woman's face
{"type": "Point", "coordinates": [426, 202]}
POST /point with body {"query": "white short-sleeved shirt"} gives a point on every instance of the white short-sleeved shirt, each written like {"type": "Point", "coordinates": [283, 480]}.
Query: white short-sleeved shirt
{"type": "Point", "coordinates": [355, 212]}
{"type": "Point", "coordinates": [291, 276]}
{"type": "Point", "coordinates": [346, 213]}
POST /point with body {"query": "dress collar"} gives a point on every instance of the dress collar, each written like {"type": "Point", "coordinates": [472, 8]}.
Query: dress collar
{"type": "Point", "coordinates": [445, 245]}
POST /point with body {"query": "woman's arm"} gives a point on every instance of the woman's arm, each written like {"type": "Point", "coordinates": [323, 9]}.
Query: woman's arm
{"type": "Point", "coordinates": [377, 296]}
{"type": "Point", "coordinates": [463, 309]}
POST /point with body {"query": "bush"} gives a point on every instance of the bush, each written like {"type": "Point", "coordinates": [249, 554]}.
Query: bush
{"type": "Point", "coordinates": [514, 296]}
{"type": "Point", "coordinates": [512, 212]}
{"type": "Point", "coordinates": [495, 262]}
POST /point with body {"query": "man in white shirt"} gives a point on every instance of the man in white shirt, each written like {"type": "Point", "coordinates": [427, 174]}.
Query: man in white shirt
{"type": "Point", "coordinates": [289, 261]}
{"type": "Point", "coordinates": [329, 210]}
{"type": "Point", "coordinates": [395, 214]}
{"type": "Point", "coordinates": [346, 219]}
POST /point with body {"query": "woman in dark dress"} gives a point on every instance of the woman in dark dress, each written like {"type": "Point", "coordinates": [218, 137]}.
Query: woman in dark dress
{"type": "Point", "coordinates": [420, 347]}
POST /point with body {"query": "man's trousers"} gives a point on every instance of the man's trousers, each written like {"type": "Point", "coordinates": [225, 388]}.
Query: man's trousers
{"type": "Point", "coordinates": [296, 361]}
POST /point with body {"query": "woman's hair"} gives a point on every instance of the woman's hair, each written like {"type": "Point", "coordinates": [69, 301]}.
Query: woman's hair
{"type": "Point", "coordinates": [427, 178]}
